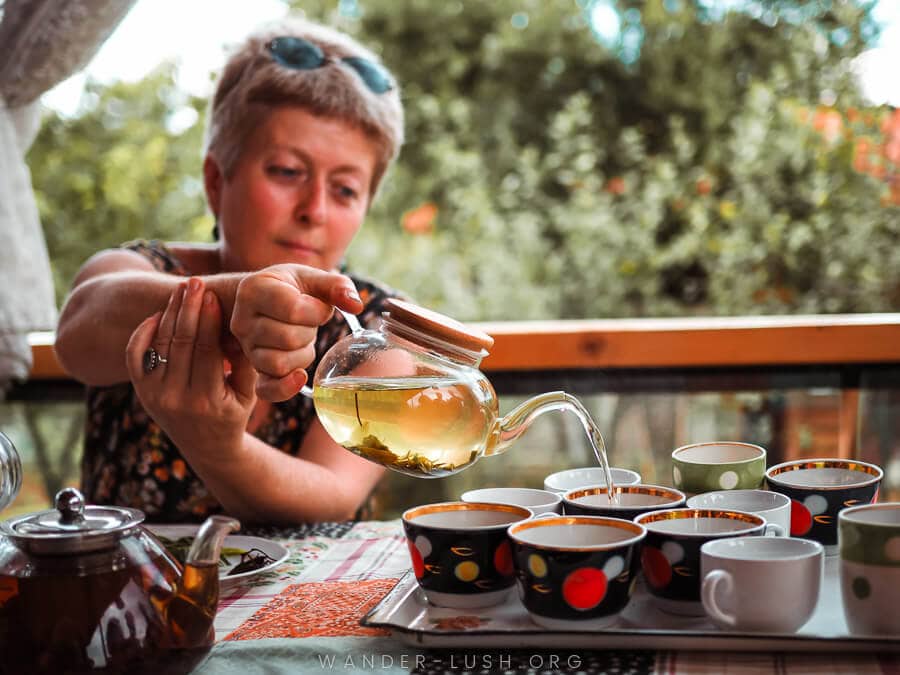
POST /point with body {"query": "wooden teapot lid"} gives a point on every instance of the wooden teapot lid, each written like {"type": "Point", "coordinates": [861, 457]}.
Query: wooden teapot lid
{"type": "Point", "coordinates": [437, 325]}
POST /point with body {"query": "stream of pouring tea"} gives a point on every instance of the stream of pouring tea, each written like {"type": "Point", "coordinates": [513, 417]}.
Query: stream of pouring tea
{"type": "Point", "coordinates": [595, 438]}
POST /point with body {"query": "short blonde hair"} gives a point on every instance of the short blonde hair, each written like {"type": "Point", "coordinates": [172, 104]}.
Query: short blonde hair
{"type": "Point", "coordinates": [253, 83]}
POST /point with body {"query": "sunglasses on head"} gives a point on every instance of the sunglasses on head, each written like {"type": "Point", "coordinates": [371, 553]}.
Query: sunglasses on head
{"type": "Point", "coordinates": [300, 54]}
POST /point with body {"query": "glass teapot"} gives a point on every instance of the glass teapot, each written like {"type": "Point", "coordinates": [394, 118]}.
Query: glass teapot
{"type": "Point", "coordinates": [410, 395]}
{"type": "Point", "coordinates": [87, 588]}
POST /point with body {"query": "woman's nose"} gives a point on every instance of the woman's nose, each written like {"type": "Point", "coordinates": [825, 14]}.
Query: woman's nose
{"type": "Point", "coordinates": [312, 203]}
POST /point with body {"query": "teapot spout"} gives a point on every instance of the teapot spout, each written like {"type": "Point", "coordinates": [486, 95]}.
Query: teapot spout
{"type": "Point", "coordinates": [516, 423]}
{"type": "Point", "coordinates": [207, 545]}
{"type": "Point", "coordinates": [190, 612]}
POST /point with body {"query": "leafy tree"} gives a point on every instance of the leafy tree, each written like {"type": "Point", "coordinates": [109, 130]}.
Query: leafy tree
{"type": "Point", "coordinates": [119, 169]}
{"type": "Point", "coordinates": [665, 172]}
{"type": "Point", "coordinates": [553, 169]}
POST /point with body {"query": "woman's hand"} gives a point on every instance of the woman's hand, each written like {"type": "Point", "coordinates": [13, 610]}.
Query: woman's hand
{"type": "Point", "coordinates": [277, 312]}
{"type": "Point", "coordinates": [200, 407]}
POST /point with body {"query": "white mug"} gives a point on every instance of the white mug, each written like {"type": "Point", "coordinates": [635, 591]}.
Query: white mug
{"type": "Point", "coordinates": [773, 506]}
{"type": "Point", "coordinates": [761, 583]}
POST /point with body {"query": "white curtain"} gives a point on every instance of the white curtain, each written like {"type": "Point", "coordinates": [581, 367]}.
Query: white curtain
{"type": "Point", "coordinates": [42, 42]}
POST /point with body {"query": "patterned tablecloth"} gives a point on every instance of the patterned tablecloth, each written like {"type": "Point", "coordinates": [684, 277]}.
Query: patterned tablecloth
{"type": "Point", "coordinates": [303, 617]}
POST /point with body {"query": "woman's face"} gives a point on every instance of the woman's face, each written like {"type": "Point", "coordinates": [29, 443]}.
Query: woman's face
{"type": "Point", "coordinates": [299, 192]}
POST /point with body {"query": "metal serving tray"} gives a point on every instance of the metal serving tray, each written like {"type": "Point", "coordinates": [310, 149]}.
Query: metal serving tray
{"type": "Point", "coordinates": [405, 612]}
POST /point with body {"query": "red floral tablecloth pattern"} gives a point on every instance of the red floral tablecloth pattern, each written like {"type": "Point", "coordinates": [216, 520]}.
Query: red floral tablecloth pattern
{"type": "Point", "coordinates": [323, 588]}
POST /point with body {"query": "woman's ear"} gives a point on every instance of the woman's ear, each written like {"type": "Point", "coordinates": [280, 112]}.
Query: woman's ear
{"type": "Point", "coordinates": [212, 182]}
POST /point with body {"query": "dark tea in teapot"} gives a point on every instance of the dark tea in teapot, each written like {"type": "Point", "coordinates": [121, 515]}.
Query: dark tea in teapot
{"type": "Point", "coordinates": [87, 589]}
{"type": "Point", "coordinates": [60, 621]}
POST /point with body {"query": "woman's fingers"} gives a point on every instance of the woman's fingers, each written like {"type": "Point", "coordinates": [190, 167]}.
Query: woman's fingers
{"type": "Point", "coordinates": [181, 349]}
{"type": "Point", "coordinates": [271, 334]}
{"type": "Point", "coordinates": [207, 373]}
{"type": "Point", "coordinates": [280, 388]}
{"type": "Point", "coordinates": [243, 377]}
{"type": "Point", "coordinates": [329, 287]}
{"type": "Point", "coordinates": [167, 322]}
{"type": "Point", "coordinates": [279, 363]}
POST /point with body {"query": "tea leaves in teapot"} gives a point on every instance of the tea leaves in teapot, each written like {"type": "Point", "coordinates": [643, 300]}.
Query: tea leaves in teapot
{"type": "Point", "coordinates": [412, 463]}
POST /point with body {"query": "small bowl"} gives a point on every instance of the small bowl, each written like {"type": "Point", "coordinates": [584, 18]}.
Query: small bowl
{"type": "Point", "coordinates": [821, 488]}
{"type": "Point", "coordinates": [538, 501]}
{"type": "Point", "coordinates": [633, 500]}
{"type": "Point", "coordinates": [570, 479]}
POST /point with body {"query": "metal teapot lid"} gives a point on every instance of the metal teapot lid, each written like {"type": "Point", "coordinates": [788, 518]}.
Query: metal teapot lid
{"type": "Point", "coordinates": [71, 527]}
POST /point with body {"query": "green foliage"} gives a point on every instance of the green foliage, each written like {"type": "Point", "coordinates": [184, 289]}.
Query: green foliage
{"type": "Point", "coordinates": [574, 181]}
{"type": "Point", "coordinates": [116, 172]}
{"type": "Point", "coordinates": [674, 169]}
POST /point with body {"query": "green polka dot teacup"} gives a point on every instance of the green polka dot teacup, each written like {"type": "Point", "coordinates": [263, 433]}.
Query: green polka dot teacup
{"type": "Point", "coordinates": [869, 543]}
{"type": "Point", "coordinates": [719, 465]}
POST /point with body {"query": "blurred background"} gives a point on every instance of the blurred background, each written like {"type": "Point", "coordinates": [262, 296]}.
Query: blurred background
{"type": "Point", "coordinates": [565, 159]}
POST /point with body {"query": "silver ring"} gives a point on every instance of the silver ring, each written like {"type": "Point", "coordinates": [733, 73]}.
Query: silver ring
{"type": "Point", "coordinates": [152, 358]}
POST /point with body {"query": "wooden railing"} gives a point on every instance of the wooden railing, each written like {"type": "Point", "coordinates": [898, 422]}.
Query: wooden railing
{"type": "Point", "coordinates": [695, 342]}
{"type": "Point", "coordinates": [658, 343]}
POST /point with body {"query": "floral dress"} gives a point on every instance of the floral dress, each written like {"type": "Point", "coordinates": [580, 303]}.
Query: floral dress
{"type": "Point", "coordinates": [129, 461]}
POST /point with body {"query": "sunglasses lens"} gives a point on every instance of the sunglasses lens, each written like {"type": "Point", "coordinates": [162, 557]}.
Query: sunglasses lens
{"type": "Point", "coordinates": [296, 53]}
{"type": "Point", "coordinates": [376, 78]}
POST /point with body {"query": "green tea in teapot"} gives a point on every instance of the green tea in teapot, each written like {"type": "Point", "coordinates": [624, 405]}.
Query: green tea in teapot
{"type": "Point", "coordinates": [430, 426]}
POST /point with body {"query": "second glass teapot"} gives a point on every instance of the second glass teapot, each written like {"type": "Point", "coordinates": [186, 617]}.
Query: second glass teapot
{"type": "Point", "coordinates": [410, 396]}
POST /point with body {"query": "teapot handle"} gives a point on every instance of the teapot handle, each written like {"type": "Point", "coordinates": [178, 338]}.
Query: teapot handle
{"type": "Point", "coordinates": [355, 327]}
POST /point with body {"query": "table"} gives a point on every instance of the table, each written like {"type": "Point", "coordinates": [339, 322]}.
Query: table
{"type": "Point", "coordinates": [303, 617]}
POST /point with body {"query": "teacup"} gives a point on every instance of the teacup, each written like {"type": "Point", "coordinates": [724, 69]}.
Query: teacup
{"type": "Point", "coordinates": [570, 479]}
{"type": "Point", "coordinates": [538, 501]}
{"type": "Point", "coordinates": [670, 555]}
{"type": "Point", "coordinates": [761, 583]}
{"type": "Point", "coordinates": [720, 465]}
{"type": "Point", "coordinates": [819, 489]}
{"type": "Point", "coordinates": [575, 572]}
{"type": "Point", "coordinates": [773, 506]}
{"type": "Point", "coordinates": [869, 541]}
{"type": "Point", "coordinates": [461, 553]}
{"type": "Point", "coordinates": [633, 500]}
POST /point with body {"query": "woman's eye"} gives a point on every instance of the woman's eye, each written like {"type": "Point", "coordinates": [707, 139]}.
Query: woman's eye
{"type": "Point", "coordinates": [346, 192]}
{"type": "Point", "coordinates": [284, 171]}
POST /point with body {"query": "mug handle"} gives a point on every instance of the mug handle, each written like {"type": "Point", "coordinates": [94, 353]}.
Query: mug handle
{"type": "Point", "coordinates": [774, 530]}
{"type": "Point", "coordinates": [711, 582]}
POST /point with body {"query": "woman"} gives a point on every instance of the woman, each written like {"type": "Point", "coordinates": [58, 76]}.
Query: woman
{"type": "Point", "coordinates": [302, 126]}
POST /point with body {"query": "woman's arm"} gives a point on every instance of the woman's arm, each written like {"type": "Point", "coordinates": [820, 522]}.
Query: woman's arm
{"type": "Point", "coordinates": [113, 292]}
{"type": "Point", "coordinates": [258, 483]}
{"type": "Point", "coordinates": [273, 312]}
{"type": "Point", "coordinates": [205, 414]}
